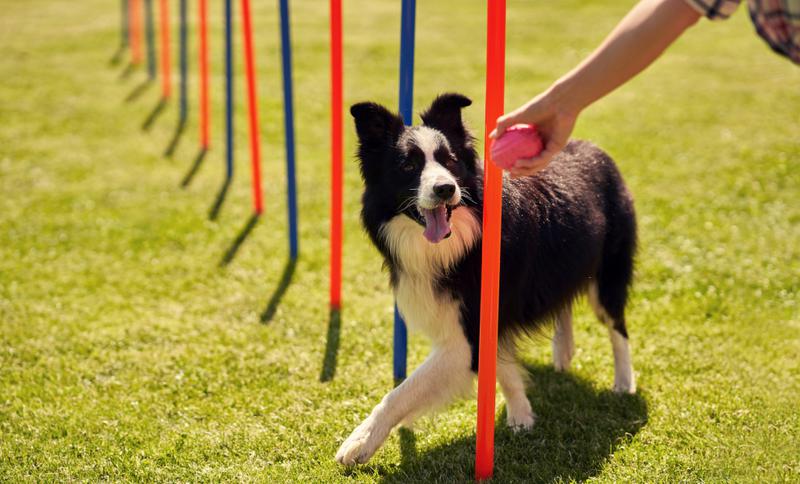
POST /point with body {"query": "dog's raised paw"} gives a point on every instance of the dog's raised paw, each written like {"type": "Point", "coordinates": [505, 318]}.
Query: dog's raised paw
{"type": "Point", "coordinates": [358, 448]}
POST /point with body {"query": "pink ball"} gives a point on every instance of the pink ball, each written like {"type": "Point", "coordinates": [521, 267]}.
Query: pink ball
{"type": "Point", "coordinates": [518, 141]}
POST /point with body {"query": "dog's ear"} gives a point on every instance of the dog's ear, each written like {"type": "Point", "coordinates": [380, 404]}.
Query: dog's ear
{"type": "Point", "coordinates": [444, 114]}
{"type": "Point", "coordinates": [377, 127]}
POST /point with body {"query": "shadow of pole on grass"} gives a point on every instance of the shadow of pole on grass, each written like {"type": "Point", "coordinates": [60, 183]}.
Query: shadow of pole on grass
{"type": "Point", "coordinates": [408, 445]}
{"type": "Point", "coordinates": [130, 68]}
{"type": "Point", "coordinates": [331, 346]}
{"type": "Point", "coordinates": [213, 213]}
{"type": "Point", "coordinates": [283, 285]}
{"type": "Point", "coordinates": [176, 138]}
{"type": "Point", "coordinates": [154, 114]}
{"type": "Point", "coordinates": [198, 160]}
{"type": "Point", "coordinates": [117, 57]}
{"type": "Point", "coordinates": [578, 428]}
{"type": "Point", "coordinates": [238, 241]}
{"type": "Point", "coordinates": [137, 91]}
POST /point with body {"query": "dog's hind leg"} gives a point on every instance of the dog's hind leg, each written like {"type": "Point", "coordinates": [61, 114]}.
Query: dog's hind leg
{"type": "Point", "coordinates": [563, 341]}
{"type": "Point", "coordinates": [624, 379]}
{"type": "Point", "coordinates": [444, 375]}
{"type": "Point", "coordinates": [513, 381]}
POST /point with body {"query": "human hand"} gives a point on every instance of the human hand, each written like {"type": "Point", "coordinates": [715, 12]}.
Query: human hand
{"type": "Point", "coordinates": [554, 122]}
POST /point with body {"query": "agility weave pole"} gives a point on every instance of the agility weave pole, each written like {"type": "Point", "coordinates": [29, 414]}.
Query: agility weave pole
{"type": "Point", "coordinates": [406, 101]}
{"type": "Point", "coordinates": [205, 114]}
{"type": "Point", "coordinates": [151, 40]}
{"type": "Point", "coordinates": [135, 30]}
{"type": "Point", "coordinates": [123, 28]}
{"type": "Point", "coordinates": [288, 123]}
{"type": "Point", "coordinates": [229, 139]}
{"type": "Point", "coordinates": [184, 62]}
{"type": "Point", "coordinates": [492, 223]}
{"type": "Point", "coordinates": [252, 103]}
{"type": "Point", "coordinates": [337, 150]}
{"type": "Point", "coordinates": [166, 74]}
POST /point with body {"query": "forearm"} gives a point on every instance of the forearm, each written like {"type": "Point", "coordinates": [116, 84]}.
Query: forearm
{"type": "Point", "coordinates": [633, 45]}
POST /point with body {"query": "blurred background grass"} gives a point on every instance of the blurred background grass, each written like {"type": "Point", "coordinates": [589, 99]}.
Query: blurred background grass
{"type": "Point", "coordinates": [127, 353]}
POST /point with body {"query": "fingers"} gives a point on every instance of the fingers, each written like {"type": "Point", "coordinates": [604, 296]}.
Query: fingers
{"type": "Point", "coordinates": [532, 166]}
{"type": "Point", "coordinates": [527, 167]}
{"type": "Point", "coordinates": [503, 122]}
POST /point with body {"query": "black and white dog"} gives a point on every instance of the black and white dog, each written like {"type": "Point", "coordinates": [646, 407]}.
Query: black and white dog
{"type": "Point", "coordinates": [568, 230]}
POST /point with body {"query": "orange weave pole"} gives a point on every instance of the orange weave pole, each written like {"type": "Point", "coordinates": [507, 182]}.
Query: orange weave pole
{"type": "Point", "coordinates": [252, 101]}
{"type": "Point", "coordinates": [135, 16]}
{"type": "Point", "coordinates": [205, 124]}
{"type": "Point", "coordinates": [337, 151]}
{"type": "Point", "coordinates": [166, 76]}
{"type": "Point", "coordinates": [492, 223]}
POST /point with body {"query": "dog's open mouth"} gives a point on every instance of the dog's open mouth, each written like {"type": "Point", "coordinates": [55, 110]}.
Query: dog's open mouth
{"type": "Point", "coordinates": [436, 222]}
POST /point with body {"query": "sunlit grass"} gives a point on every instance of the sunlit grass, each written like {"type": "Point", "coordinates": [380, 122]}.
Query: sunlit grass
{"type": "Point", "coordinates": [128, 353]}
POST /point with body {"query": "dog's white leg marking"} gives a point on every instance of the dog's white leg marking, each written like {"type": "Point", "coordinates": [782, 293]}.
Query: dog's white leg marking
{"type": "Point", "coordinates": [512, 379]}
{"type": "Point", "coordinates": [444, 375]}
{"type": "Point", "coordinates": [446, 372]}
{"type": "Point", "coordinates": [563, 341]}
{"type": "Point", "coordinates": [624, 379]}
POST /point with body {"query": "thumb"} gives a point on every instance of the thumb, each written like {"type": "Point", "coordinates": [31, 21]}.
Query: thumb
{"type": "Point", "coordinates": [503, 122]}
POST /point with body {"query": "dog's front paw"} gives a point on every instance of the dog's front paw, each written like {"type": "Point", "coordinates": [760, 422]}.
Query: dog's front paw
{"type": "Point", "coordinates": [563, 351]}
{"type": "Point", "coordinates": [625, 382]}
{"type": "Point", "coordinates": [625, 387]}
{"type": "Point", "coordinates": [360, 446]}
{"type": "Point", "coordinates": [522, 420]}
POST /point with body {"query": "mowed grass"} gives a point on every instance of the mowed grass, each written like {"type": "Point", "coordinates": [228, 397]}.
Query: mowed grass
{"type": "Point", "coordinates": [127, 352]}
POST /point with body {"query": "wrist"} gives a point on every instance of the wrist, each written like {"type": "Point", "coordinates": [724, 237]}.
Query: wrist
{"type": "Point", "coordinates": [564, 99]}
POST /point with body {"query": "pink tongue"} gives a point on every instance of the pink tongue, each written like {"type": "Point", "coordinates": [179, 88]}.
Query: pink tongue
{"type": "Point", "coordinates": [436, 225]}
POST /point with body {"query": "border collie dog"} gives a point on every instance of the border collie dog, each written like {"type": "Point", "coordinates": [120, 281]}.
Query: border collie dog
{"type": "Point", "coordinates": [568, 230]}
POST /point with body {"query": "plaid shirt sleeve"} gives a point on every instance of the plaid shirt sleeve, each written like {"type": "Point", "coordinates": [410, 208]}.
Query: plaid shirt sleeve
{"type": "Point", "coordinates": [778, 23]}
{"type": "Point", "coordinates": [714, 9]}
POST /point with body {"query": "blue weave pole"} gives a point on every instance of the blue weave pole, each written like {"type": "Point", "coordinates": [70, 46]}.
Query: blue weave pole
{"type": "Point", "coordinates": [184, 61]}
{"type": "Point", "coordinates": [400, 342]}
{"type": "Point", "coordinates": [123, 39]}
{"type": "Point", "coordinates": [229, 89]}
{"type": "Point", "coordinates": [406, 105]}
{"type": "Point", "coordinates": [151, 39]}
{"type": "Point", "coordinates": [288, 122]}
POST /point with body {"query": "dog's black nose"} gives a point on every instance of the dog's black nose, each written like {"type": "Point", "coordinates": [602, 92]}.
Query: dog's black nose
{"type": "Point", "coordinates": [444, 191]}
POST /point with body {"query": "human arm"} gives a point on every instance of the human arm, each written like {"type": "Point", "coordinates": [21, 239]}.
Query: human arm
{"type": "Point", "coordinates": [642, 35]}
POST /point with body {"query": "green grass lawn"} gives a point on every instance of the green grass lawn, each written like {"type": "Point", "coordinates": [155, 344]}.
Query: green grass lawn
{"type": "Point", "coordinates": [128, 353]}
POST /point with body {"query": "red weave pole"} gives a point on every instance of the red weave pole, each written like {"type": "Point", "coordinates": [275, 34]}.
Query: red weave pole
{"type": "Point", "coordinates": [252, 102]}
{"type": "Point", "coordinates": [492, 223]}
{"type": "Point", "coordinates": [337, 150]}
{"type": "Point", "coordinates": [205, 125]}
{"type": "Point", "coordinates": [166, 76]}
{"type": "Point", "coordinates": [130, 7]}
{"type": "Point", "coordinates": [135, 16]}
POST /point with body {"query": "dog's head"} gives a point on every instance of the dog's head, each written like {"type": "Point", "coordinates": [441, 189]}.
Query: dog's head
{"type": "Point", "coordinates": [423, 172]}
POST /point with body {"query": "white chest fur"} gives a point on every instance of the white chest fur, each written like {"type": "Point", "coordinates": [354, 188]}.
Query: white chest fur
{"type": "Point", "coordinates": [420, 263]}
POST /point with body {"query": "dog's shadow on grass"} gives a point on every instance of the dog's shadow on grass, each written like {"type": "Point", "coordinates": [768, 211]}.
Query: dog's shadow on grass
{"type": "Point", "coordinates": [577, 429]}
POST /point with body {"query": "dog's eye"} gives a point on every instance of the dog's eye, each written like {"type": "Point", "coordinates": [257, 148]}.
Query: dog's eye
{"type": "Point", "coordinates": [446, 158]}
{"type": "Point", "coordinates": [409, 165]}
